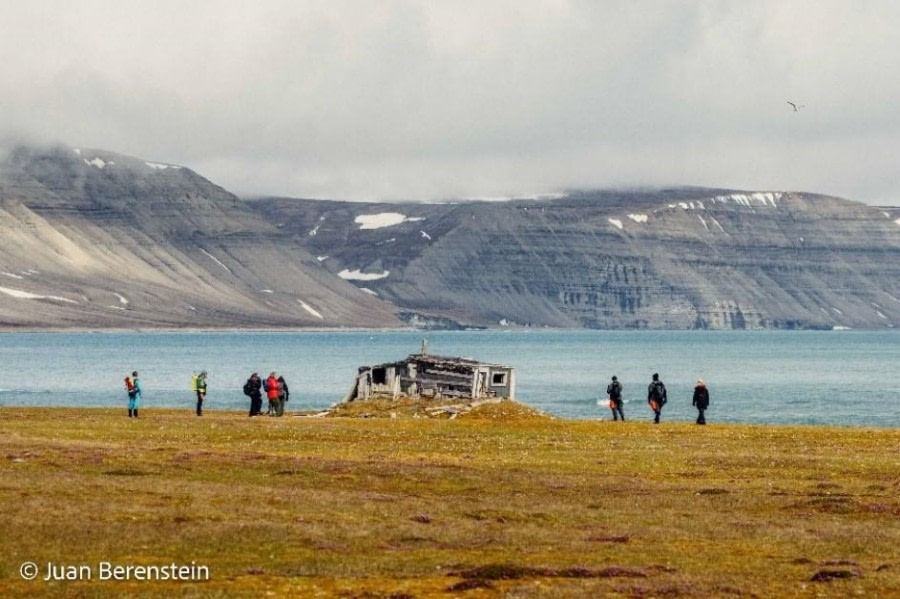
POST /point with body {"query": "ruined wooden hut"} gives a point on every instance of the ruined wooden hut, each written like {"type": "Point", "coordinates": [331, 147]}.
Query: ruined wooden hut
{"type": "Point", "coordinates": [434, 377]}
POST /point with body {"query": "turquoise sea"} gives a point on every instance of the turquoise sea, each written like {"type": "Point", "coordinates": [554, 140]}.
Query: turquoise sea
{"type": "Point", "coordinates": [845, 378]}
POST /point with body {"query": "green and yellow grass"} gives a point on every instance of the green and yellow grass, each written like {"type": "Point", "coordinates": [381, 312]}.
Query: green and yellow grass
{"type": "Point", "coordinates": [497, 502]}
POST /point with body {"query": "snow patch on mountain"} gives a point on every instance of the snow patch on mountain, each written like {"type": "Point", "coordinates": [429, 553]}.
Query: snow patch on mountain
{"type": "Point", "coordinates": [19, 294]}
{"type": "Point", "coordinates": [705, 226]}
{"type": "Point", "coordinates": [315, 230]}
{"type": "Point", "coordinates": [98, 162]}
{"type": "Point", "coordinates": [384, 219]}
{"type": "Point", "coordinates": [749, 199]}
{"type": "Point", "coordinates": [357, 275]}
{"type": "Point", "coordinates": [616, 222]}
{"type": "Point", "coordinates": [310, 309]}
{"type": "Point", "coordinates": [216, 260]}
{"type": "Point", "coordinates": [161, 167]}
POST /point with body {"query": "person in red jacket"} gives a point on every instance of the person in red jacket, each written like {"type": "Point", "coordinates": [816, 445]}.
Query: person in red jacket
{"type": "Point", "coordinates": [271, 387]}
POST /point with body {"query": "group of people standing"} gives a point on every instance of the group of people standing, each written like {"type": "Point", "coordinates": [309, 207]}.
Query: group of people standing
{"type": "Point", "coordinates": [657, 397]}
{"type": "Point", "coordinates": [274, 386]}
{"type": "Point", "coordinates": [276, 390]}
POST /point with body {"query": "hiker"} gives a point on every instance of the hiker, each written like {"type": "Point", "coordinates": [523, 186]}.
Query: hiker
{"type": "Point", "coordinates": [656, 397]}
{"type": "Point", "coordinates": [271, 388]}
{"type": "Point", "coordinates": [129, 389]}
{"type": "Point", "coordinates": [198, 383]}
{"type": "Point", "coordinates": [614, 391]}
{"type": "Point", "coordinates": [252, 389]}
{"type": "Point", "coordinates": [133, 386]}
{"type": "Point", "coordinates": [283, 395]}
{"type": "Point", "coordinates": [701, 400]}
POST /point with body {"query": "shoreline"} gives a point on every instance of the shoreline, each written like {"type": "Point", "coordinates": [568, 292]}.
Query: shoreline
{"type": "Point", "coordinates": [241, 414]}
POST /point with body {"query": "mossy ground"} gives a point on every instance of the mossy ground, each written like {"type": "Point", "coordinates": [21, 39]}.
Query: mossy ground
{"type": "Point", "coordinates": [498, 502]}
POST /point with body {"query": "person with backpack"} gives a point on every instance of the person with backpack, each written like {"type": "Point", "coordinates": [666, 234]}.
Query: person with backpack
{"type": "Point", "coordinates": [133, 387]}
{"type": "Point", "coordinates": [283, 395]}
{"type": "Point", "coordinates": [701, 400]}
{"type": "Point", "coordinates": [198, 383]}
{"type": "Point", "coordinates": [253, 390]}
{"type": "Point", "coordinates": [656, 397]}
{"type": "Point", "coordinates": [271, 388]}
{"type": "Point", "coordinates": [614, 391]}
{"type": "Point", "coordinates": [129, 389]}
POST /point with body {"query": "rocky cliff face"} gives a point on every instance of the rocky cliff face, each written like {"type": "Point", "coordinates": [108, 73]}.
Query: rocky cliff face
{"type": "Point", "coordinates": [679, 258]}
{"type": "Point", "coordinates": [95, 239]}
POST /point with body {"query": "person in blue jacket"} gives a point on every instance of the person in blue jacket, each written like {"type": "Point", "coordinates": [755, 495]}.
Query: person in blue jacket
{"type": "Point", "coordinates": [134, 396]}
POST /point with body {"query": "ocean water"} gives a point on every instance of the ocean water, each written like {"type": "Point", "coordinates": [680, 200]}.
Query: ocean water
{"type": "Point", "coordinates": [845, 378]}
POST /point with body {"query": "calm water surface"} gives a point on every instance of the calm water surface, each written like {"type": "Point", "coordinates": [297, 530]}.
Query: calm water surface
{"type": "Point", "coordinates": [775, 377]}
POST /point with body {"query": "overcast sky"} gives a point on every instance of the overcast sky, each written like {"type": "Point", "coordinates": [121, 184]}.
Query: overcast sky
{"type": "Point", "coordinates": [428, 100]}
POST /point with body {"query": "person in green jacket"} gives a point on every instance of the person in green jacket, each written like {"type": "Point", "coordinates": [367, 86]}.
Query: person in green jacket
{"type": "Point", "coordinates": [198, 383]}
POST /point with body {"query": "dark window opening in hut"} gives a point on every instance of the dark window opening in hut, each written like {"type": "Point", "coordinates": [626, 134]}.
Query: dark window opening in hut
{"type": "Point", "coordinates": [379, 376]}
{"type": "Point", "coordinates": [499, 378]}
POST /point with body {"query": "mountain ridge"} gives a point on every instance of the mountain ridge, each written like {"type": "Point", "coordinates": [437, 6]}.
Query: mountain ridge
{"type": "Point", "coordinates": [96, 239]}
{"type": "Point", "coordinates": [121, 242]}
{"type": "Point", "coordinates": [671, 258]}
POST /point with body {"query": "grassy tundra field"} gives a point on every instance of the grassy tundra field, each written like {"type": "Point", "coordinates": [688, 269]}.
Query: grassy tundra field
{"type": "Point", "coordinates": [499, 502]}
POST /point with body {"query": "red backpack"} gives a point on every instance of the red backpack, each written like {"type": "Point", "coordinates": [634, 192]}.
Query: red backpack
{"type": "Point", "coordinates": [129, 384]}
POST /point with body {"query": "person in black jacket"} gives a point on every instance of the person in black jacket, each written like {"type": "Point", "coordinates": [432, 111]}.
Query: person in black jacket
{"type": "Point", "coordinates": [284, 394]}
{"type": "Point", "coordinates": [253, 389]}
{"type": "Point", "coordinates": [614, 391]}
{"type": "Point", "coordinates": [656, 397]}
{"type": "Point", "coordinates": [701, 401]}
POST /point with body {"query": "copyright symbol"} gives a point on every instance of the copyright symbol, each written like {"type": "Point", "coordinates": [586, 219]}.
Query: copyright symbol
{"type": "Point", "coordinates": [28, 570]}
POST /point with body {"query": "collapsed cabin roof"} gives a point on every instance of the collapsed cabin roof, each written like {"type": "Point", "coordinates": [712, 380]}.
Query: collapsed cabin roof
{"type": "Point", "coordinates": [440, 361]}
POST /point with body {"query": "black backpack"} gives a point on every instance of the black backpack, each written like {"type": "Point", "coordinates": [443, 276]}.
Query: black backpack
{"type": "Point", "coordinates": [658, 392]}
{"type": "Point", "coordinates": [247, 387]}
{"type": "Point", "coordinates": [614, 390]}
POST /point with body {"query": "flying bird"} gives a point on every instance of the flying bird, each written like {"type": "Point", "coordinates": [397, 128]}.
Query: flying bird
{"type": "Point", "coordinates": [796, 108]}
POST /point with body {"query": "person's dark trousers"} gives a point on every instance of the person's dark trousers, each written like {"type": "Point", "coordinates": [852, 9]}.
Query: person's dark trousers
{"type": "Point", "coordinates": [618, 409]}
{"type": "Point", "coordinates": [255, 405]}
{"type": "Point", "coordinates": [656, 414]}
{"type": "Point", "coordinates": [701, 419]}
{"type": "Point", "coordinates": [199, 404]}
